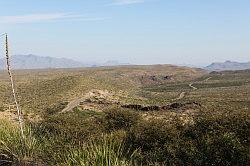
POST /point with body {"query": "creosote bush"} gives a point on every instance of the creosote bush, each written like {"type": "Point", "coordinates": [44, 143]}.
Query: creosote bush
{"type": "Point", "coordinates": [55, 108]}
{"type": "Point", "coordinates": [72, 128]}
{"type": "Point", "coordinates": [157, 139]}
{"type": "Point", "coordinates": [117, 119]}
{"type": "Point", "coordinates": [218, 139]}
{"type": "Point", "coordinates": [213, 139]}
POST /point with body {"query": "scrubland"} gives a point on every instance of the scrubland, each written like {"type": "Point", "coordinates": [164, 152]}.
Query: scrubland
{"type": "Point", "coordinates": [130, 115]}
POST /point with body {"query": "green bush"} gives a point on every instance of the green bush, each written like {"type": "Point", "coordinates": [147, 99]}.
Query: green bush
{"type": "Point", "coordinates": [217, 139]}
{"type": "Point", "coordinates": [2, 109]}
{"type": "Point", "coordinates": [55, 108]}
{"type": "Point", "coordinates": [122, 137]}
{"type": "Point", "coordinates": [213, 139]}
{"type": "Point", "coordinates": [157, 140]}
{"type": "Point", "coordinates": [117, 119]}
{"type": "Point", "coordinates": [70, 128]}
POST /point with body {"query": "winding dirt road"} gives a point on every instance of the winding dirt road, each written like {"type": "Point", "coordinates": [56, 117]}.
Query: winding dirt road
{"type": "Point", "coordinates": [207, 79]}
{"type": "Point", "coordinates": [76, 102]}
{"type": "Point", "coordinates": [191, 85]}
{"type": "Point", "coordinates": [181, 96]}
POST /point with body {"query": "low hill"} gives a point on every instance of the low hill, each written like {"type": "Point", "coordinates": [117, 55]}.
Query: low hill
{"type": "Point", "coordinates": [228, 65]}
{"type": "Point", "coordinates": [38, 90]}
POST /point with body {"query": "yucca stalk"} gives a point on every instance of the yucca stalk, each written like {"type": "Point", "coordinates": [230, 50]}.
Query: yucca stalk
{"type": "Point", "coordinates": [19, 113]}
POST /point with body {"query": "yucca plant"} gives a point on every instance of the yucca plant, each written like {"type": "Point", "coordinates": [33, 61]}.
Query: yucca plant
{"type": "Point", "coordinates": [12, 145]}
{"type": "Point", "coordinates": [109, 151]}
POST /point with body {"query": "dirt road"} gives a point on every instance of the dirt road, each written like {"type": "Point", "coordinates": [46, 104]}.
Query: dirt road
{"type": "Point", "coordinates": [191, 86]}
{"type": "Point", "coordinates": [181, 96]}
{"type": "Point", "coordinates": [72, 105]}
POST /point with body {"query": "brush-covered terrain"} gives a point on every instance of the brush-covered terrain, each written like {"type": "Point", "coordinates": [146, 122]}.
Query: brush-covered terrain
{"type": "Point", "coordinates": [126, 116]}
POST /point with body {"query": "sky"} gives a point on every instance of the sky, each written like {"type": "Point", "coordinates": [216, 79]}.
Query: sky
{"type": "Point", "coordinates": [195, 32]}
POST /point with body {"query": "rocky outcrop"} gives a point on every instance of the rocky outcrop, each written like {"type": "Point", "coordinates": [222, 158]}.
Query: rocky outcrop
{"type": "Point", "coordinates": [173, 106]}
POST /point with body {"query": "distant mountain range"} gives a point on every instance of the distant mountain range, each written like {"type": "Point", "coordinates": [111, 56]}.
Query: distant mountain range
{"type": "Point", "coordinates": [40, 62]}
{"type": "Point", "coordinates": [113, 63]}
{"type": "Point", "coordinates": [228, 65]}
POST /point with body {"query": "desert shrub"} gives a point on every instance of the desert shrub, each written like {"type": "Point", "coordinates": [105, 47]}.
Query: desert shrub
{"type": "Point", "coordinates": [2, 109]}
{"type": "Point", "coordinates": [121, 137]}
{"type": "Point", "coordinates": [217, 139]}
{"type": "Point", "coordinates": [117, 119]}
{"type": "Point", "coordinates": [66, 131]}
{"type": "Point", "coordinates": [70, 128]}
{"type": "Point", "coordinates": [55, 108]}
{"type": "Point", "coordinates": [212, 139]}
{"type": "Point", "coordinates": [157, 140]}
{"type": "Point", "coordinates": [70, 132]}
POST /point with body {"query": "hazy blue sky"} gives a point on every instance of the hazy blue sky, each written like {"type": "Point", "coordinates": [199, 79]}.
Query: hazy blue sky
{"type": "Point", "coordinates": [135, 31]}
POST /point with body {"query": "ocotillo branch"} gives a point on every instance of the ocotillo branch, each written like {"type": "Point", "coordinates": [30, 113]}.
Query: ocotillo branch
{"type": "Point", "coordinates": [19, 113]}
